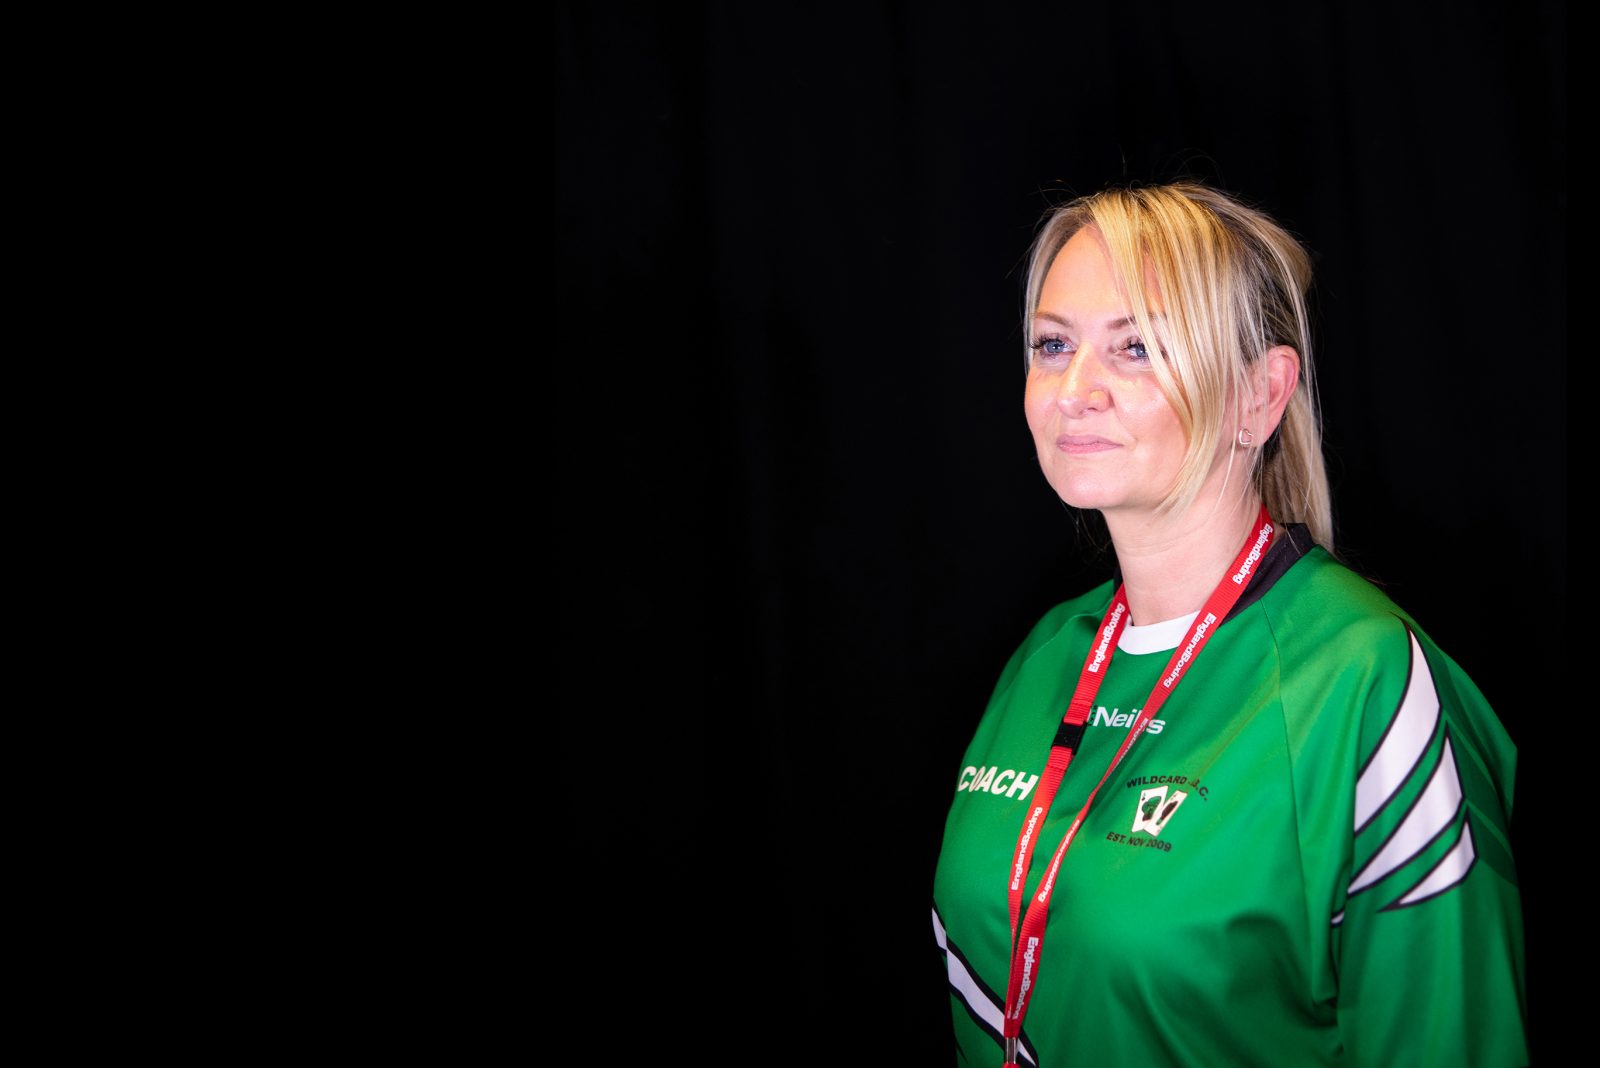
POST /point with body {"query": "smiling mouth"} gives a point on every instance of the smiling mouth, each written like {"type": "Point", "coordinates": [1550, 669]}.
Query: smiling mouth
{"type": "Point", "coordinates": [1083, 444]}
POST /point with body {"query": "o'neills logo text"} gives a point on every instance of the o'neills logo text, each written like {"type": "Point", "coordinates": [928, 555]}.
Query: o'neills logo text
{"type": "Point", "coordinates": [1027, 977]}
{"type": "Point", "coordinates": [1105, 639]}
{"type": "Point", "coordinates": [1188, 650]}
{"type": "Point", "coordinates": [1255, 554]}
{"type": "Point", "coordinates": [1022, 847]}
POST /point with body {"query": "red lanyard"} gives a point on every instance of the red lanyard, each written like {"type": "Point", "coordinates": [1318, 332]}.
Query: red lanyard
{"type": "Point", "coordinates": [1027, 947]}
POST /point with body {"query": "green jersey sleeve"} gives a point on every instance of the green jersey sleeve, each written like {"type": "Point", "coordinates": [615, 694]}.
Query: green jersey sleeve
{"type": "Point", "coordinates": [1427, 931]}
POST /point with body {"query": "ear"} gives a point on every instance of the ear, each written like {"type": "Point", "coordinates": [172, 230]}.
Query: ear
{"type": "Point", "coordinates": [1276, 375]}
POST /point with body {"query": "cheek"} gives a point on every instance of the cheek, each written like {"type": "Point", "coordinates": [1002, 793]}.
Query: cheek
{"type": "Point", "coordinates": [1158, 424]}
{"type": "Point", "coordinates": [1036, 403]}
{"type": "Point", "coordinates": [1142, 397]}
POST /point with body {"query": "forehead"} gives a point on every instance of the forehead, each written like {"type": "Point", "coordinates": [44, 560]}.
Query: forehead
{"type": "Point", "coordinates": [1083, 288]}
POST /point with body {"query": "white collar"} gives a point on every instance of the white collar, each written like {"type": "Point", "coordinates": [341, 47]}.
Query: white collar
{"type": "Point", "coordinates": [1155, 638]}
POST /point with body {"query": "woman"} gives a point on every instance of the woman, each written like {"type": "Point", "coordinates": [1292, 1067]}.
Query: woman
{"type": "Point", "coordinates": [1280, 833]}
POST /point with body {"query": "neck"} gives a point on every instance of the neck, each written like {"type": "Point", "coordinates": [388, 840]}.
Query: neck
{"type": "Point", "coordinates": [1171, 564]}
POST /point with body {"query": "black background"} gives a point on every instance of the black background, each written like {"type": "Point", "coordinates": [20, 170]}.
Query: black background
{"type": "Point", "coordinates": [803, 522]}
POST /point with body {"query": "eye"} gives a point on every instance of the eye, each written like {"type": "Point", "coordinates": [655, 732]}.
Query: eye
{"type": "Point", "coordinates": [1135, 349]}
{"type": "Point", "coordinates": [1051, 348]}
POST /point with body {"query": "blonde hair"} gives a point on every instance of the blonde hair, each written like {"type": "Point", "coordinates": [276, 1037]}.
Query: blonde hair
{"type": "Point", "coordinates": [1233, 284]}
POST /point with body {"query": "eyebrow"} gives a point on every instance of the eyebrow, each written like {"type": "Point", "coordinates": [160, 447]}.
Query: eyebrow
{"type": "Point", "coordinates": [1115, 324]}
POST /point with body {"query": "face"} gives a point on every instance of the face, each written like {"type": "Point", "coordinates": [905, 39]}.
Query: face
{"type": "Point", "coordinates": [1107, 438]}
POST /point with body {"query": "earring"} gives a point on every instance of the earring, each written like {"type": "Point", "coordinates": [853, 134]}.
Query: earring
{"type": "Point", "coordinates": [1246, 439]}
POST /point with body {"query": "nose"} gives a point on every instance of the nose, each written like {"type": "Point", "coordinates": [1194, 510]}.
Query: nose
{"type": "Point", "coordinates": [1083, 387]}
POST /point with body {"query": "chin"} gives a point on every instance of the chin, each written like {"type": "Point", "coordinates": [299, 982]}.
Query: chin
{"type": "Point", "coordinates": [1077, 494]}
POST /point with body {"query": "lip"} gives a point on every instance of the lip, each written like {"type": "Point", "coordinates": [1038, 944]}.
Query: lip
{"type": "Point", "coordinates": [1084, 444]}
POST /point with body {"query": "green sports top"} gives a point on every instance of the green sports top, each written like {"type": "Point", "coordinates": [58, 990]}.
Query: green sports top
{"type": "Point", "coordinates": [1305, 861]}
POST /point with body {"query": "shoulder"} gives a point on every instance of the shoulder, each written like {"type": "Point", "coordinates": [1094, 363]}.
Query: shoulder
{"type": "Point", "coordinates": [1067, 626]}
{"type": "Point", "coordinates": [1091, 605]}
{"type": "Point", "coordinates": [1057, 634]}
{"type": "Point", "coordinates": [1347, 652]}
{"type": "Point", "coordinates": [1320, 613]}
{"type": "Point", "coordinates": [1324, 598]}
{"type": "Point", "coordinates": [1320, 605]}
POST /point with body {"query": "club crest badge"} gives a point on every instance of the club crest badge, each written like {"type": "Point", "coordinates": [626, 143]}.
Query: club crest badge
{"type": "Point", "coordinates": [1155, 809]}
